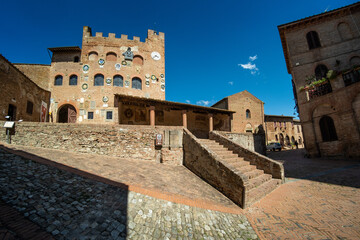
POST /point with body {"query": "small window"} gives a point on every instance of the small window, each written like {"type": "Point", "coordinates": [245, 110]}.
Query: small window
{"type": "Point", "coordinates": [298, 129]}
{"type": "Point", "coordinates": [276, 138]}
{"type": "Point", "coordinates": [313, 40]}
{"type": "Point", "coordinates": [321, 71]}
{"type": "Point", "coordinates": [76, 59]}
{"type": "Point", "coordinates": [29, 107]}
{"type": "Point", "coordinates": [136, 83]}
{"type": "Point", "coordinates": [248, 113]}
{"type": "Point", "coordinates": [109, 115]}
{"type": "Point", "coordinates": [284, 124]}
{"type": "Point", "coordinates": [73, 80]}
{"type": "Point", "coordinates": [99, 80]}
{"type": "Point", "coordinates": [111, 56]}
{"type": "Point", "coordinates": [138, 60]}
{"type": "Point", "coordinates": [93, 56]}
{"type": "Point", "coordinates": [58, 80]}
{"type": "Point", "coordinates": [327, 129]}
{"type": "Point", "coordinates": [90, 115]}
{"type": "Point", "coordinates": [118, 81]}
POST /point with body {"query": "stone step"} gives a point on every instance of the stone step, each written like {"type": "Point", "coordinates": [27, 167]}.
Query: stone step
{"type": "Point", "coordinates": [245, 168]}
{"type": "Point", "coordinates": [239, 164]}
{"type": "Point", "coordinates": [261, 191]}
{"type": "Point", "coordinates": [257, 181]}
{"type": "Point", "coordinates": [227, 155]}
{"type": "Point", "coordinates": [254, 173]}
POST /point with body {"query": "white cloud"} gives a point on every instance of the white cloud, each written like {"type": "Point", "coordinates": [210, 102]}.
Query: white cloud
{"type": "Point", "coordinates": [187, 101]}
{"type": "Point", "coordinates": [250, 65]}
{"type": "Point", "coordinates": [253, 58]}
{"type": "Point", "coordinates": [203, 103]}
{"type": "Point", "coordinates": [231, 83]}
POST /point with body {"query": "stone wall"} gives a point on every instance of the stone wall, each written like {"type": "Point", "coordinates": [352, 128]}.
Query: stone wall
{"type": "Point", "coordinates": [38, 73]}
{"type": "Point", "coordinates": [124, 141]}
{"type": "Point", "coordinates": [250, 141]}
{"type": "Point", "coordinates": [269, 166]}
{"type": "Point", "coordinates": [201, 161]}
{"type": "Point", "coordinates": [20, 93]}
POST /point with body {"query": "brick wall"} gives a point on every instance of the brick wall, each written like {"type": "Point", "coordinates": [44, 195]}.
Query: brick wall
{"type": "Point", "coordinates": [269, 166]}
{"type": "Point", "coordinates": [252, 142]}
{"type": "Point", "coordinates": [132, 142]}
{"type": "Point", "coordinates": [38, 73]}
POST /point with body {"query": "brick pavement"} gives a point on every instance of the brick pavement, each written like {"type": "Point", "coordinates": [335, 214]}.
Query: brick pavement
{"type": "Point", "coordinates": [322, 202]}
{"type": "Point", "coordinates": [320, 199]}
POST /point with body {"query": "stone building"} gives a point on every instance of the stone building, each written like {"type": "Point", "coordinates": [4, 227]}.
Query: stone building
{"type": "Point", "coordinates": [20, 97]}
{"type": "Point", "coordinates": [283, 129]}
{"type": "Point", "coordinates": [83, 81]}
{"type": "Point", "coordinates": [249, 111]}
{"type": "Point", "coordinates": [322, 54]}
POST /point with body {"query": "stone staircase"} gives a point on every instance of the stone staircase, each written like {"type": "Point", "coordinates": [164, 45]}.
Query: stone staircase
{"type": "Point", "coordinates": [257, 184]}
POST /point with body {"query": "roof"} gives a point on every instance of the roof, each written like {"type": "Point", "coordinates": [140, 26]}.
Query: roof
{"type": "Point", "coordinates": [242, 92]}
{"type": "Point", "coordinates": [278, 116]}
{"type": "Point", "coordinates": [183, 106]}
{"type": "Point", "coordinates": [65, 49]}
{"type": "Point", "coordinates": [309, 20]}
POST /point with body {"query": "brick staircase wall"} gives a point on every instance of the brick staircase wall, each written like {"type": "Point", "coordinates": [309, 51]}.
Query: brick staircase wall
{"type": "Point", "coordinates": [199, 159]}
{"type": "Point", "coordinates": [262, 162]}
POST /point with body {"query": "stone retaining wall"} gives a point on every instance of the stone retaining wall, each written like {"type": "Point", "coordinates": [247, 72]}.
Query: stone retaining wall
{"type": "Point", "coordinates": [125, 141]}
{"type": "Point", "coordinates": [269, 166]}
{"type": "Point", "coordinates": [201, 161]}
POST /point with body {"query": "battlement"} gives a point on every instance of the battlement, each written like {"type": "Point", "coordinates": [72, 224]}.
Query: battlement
{"type": "Point", "coordinates": [152, 35]}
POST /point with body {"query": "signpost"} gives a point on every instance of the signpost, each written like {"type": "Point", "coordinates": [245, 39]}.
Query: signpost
{"type": "Point", "coordinates": [8, 125]}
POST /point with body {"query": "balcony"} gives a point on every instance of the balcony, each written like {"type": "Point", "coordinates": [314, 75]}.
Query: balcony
{"type": "Point", "coordinates": [319, 90]}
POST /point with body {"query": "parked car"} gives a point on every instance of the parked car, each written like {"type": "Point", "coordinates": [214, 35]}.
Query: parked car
{"type": "Point", "coordinates": [273, 146]}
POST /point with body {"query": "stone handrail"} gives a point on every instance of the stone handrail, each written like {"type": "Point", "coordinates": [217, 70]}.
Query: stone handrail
{"type": "Point", "coordinates": [266, 164]}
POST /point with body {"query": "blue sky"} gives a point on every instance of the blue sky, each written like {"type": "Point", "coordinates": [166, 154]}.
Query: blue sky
{"type": "Point", "coordinates": [213, 49]}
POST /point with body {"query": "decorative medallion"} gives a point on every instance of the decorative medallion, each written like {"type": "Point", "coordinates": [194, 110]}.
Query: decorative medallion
{"type": "Point", "coordinates": [101, 62]}
{"type": "Point", "coordinates": [153, 78]}
{"type": "Point", "coordinates": [129, 55]}
{"type": "Point", "coordinates": [128, 113]}
{"type": "Point", "coordinates": [86, 68]}
{"type": "Point", "coordinates": [147, 75]}
{"type": "Point", "coordinates": [156, 56]}
{"type": "Point", "coordinates": [127, 83]}
{"type": "Point", "coordinates": [105, 99]}
{"type": "Point", "coordinates": [124, 63]}
{"type": "Point", "coordinates": [147, 83]}
{"type": "Point", "coordinates": [162, 80]}
{"type": "Point", "coordinates": [162, 87]}
{"type": "Point", "coordinates": [84, 86]}
{"type": "Point", "coordinates": [117, 66]}
{"type": "Point", "coordinates": [162, 75]}
{"type": "Point", "coordinates": [86, 78]}
{"type": "Point", "coordinates": [108, 81]}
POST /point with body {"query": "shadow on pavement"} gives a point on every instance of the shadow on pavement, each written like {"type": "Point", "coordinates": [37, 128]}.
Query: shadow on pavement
{"type": "Point", "coordinates": [345, 172]}
{"type": "Point", "coordinates": [64, 201]}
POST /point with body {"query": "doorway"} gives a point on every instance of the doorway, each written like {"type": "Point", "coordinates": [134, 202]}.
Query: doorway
{"type": "Point", "coordinates": [67, 114]}
{"type": "Point", "coordinates": [12, 112]}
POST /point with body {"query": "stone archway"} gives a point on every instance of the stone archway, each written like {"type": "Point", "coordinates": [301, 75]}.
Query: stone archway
{"type": "Point", "coordinates": [287, 140]}
{"type": "Point", "coordinates": [67, 114]}
{"type": "Point", "coordinates": [281, 136]}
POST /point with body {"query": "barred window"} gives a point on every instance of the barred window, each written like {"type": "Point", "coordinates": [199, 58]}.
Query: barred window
{"type": "Point", "coordinates": [73, 80]}
{"type": "Point", "coordinates": [99, 80]}
{"type": "Point", "coordinates": [313, 40]}
{"type": "Point", "coordinates": [58, 80]}
{"type": "Point", "coordinates": [118, 81]}
{"type": "Point", "coordinates": [136, 83]}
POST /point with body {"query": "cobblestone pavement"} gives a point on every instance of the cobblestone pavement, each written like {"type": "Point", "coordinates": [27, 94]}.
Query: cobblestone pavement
{"type": "Point", "coordinates": [70, 206]}
{"type": "Point", "coordinates": [320, 200]}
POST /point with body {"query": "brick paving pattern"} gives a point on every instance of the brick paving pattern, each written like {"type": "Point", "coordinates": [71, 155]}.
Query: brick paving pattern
{"type": "Point", "coordinates": [320, 200]}
{"type": "Point", "coordinates": [70, 206]}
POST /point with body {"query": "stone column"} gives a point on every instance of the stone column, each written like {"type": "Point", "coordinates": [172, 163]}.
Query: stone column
{"type": "Point", "coordinates": [184, 118]}
{"type": "Point", "coordinates": [211, 122]}
{"type": "Point", "coordinates": [152, 116]}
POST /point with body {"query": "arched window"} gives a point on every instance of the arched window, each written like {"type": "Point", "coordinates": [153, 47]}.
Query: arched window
{"type": "Point", "coordinates": [93, 56]}
{"type": "Point", "coordinates": [276, 138]}
{"type": "Point", "coordinates": [136, 83]}
{"type": "Point", "coordinates": [138, 60]}
{"type": "Point", "coordinates": [76, 59]}
{"type": "Point", "coordinates": [99, 80]}
{"type": "Point", "coordinates": [344, 31]}
{"type": "Point", "coordinates": [320, 71]}
{"type": "Point", "coordinates": [248, 113]}
{"type": "Point", "coordinates": [73, 80]}
{"type": "Point", "coordinates": [58, 80]}
{"type": "Point", "coordinates": [111, 56]}
{"type": "Point", "coordinates": [118, 81]}
{"type": "Point", "coordinates": [327, 129]}
{"type": "Point", "coordinates": [313, 40]}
